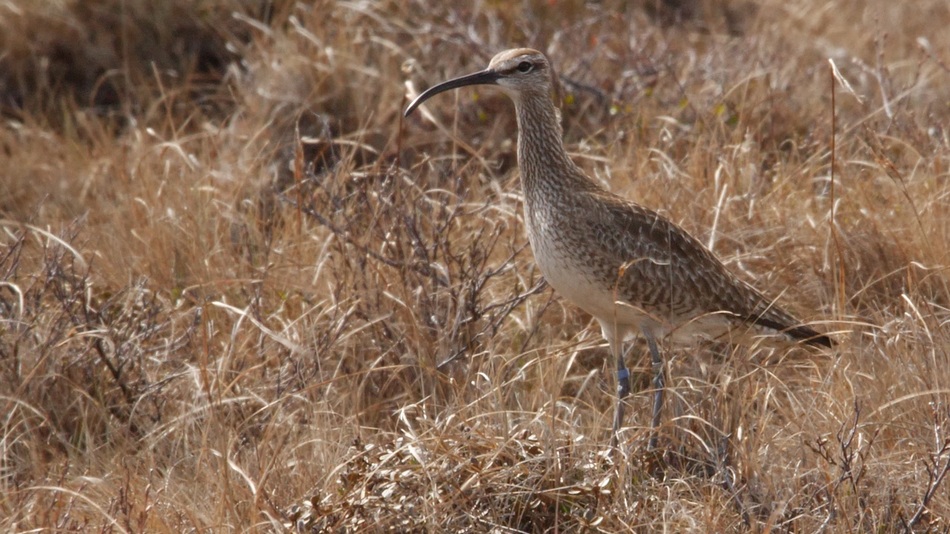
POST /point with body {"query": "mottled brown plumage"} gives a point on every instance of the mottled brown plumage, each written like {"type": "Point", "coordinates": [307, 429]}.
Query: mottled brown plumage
{"type": "Point", "coordinates": [628, 266]}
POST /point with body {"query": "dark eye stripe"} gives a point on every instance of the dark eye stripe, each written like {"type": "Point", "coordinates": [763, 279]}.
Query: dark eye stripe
{"type": "Point", "coordinates": [517, 68]}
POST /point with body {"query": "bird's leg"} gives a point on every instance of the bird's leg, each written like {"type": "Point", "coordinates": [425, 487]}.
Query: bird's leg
{"type": "Point", "coordinates": [623, 386]}
{"type": "Point", "coordinates": [657, 364]}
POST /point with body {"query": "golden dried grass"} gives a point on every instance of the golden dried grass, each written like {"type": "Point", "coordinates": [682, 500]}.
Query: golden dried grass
{"type": "Point", "coordinates": [239, 291]}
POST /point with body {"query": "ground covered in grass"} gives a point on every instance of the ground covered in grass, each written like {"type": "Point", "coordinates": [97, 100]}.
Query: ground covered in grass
{"type": "Point", "coordinates": [238, 291]}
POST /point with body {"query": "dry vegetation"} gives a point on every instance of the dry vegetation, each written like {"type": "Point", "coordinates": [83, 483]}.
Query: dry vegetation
{"type": "Point", "coordinates": [239, 292]}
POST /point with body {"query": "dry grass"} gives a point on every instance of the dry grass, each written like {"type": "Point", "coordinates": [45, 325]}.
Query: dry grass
{"type": "Point", "coordinates": [229, 270]}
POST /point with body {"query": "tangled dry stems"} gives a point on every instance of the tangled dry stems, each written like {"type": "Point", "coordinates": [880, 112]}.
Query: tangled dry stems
{"type": "Point", "coordinates": [237, 291]}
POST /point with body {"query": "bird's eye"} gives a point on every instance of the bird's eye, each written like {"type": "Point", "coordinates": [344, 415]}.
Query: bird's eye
{"type": "Point", "coordinates": [525, 66]}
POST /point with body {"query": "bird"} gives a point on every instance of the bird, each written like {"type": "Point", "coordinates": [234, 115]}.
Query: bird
{"type": "Point", "coordinates": [631, 268]}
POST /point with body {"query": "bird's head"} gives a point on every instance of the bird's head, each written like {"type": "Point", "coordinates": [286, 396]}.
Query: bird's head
{"type": "Point", "coordinates": [518, 72]}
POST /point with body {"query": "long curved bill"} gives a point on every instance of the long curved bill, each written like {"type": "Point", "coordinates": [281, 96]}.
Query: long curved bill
{"type": "Point", "coordinates": [485, 77]}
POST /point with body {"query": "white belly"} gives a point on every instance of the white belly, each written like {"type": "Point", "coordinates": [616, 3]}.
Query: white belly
{"type": "Point", "coordinates": [565, 270]}
{"type": "Point", "coordinates": [570, 274]}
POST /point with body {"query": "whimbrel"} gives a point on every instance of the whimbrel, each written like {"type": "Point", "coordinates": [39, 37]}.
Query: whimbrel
{"type": "Point", "coordinates": [631, 268]}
